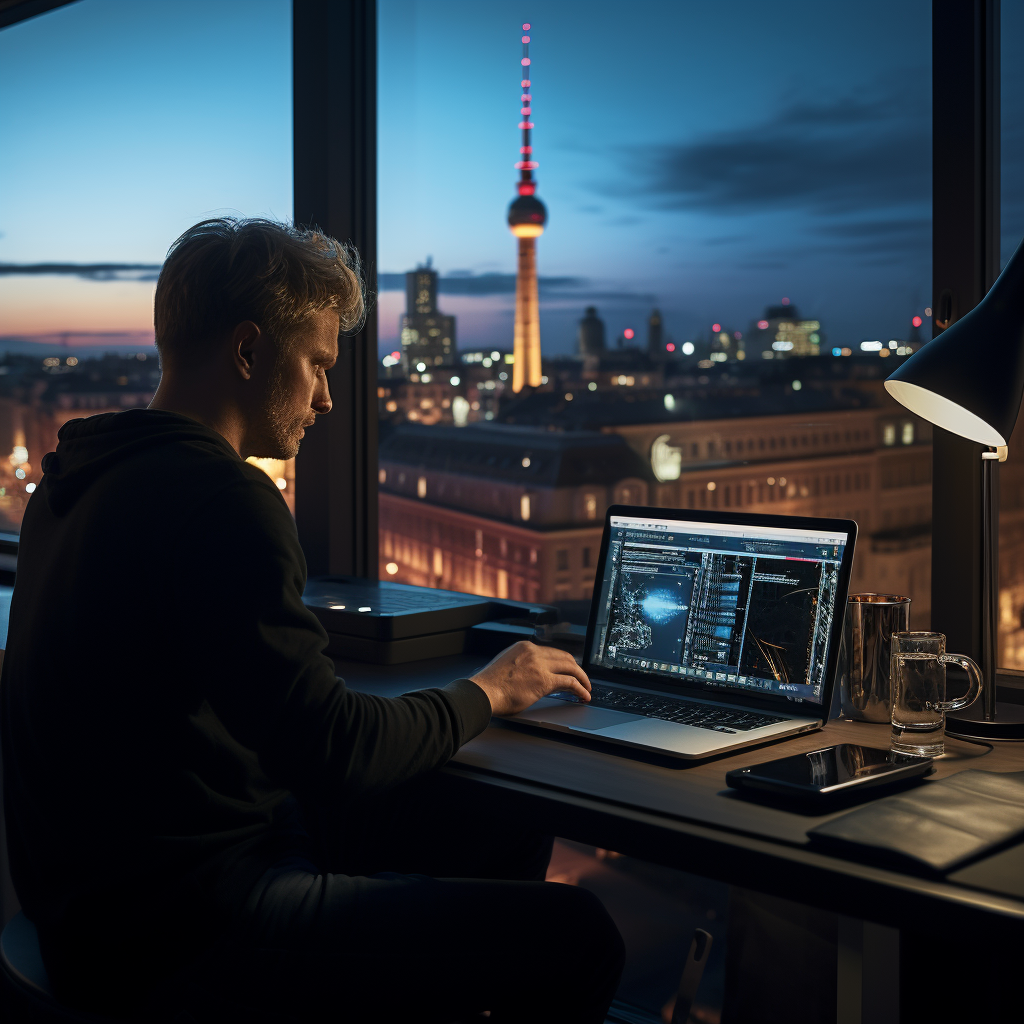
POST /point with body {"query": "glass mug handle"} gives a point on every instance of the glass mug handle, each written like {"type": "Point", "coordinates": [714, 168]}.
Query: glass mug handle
{"type": "Point", "coordinates": [974, 683]}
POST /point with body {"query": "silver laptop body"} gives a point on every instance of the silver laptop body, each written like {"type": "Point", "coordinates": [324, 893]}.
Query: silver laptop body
{"type": "Point", "coordinates": [709, 631]}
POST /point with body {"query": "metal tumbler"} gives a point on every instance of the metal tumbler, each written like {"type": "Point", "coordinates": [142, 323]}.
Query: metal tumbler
{"type": "Point", "coordinates": [864, 659]}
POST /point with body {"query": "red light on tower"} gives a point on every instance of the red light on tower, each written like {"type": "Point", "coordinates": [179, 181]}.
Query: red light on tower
{"type": "Point", "coordinates": [628, 333]}
{"type": "Point", "coordinates": [785, 302]}
{"type": "Point", "coordinates": [716, 327]}
{"type": "Point", "coordinates": [526, 219]}
{"type": "Point", "coordinates": [670, 347]}
{"type": "Point", "coordinates": [917, 321]}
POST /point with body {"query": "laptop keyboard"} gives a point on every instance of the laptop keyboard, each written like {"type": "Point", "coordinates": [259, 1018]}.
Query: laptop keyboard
{"type": "Point", "coordinates": [672, 709]}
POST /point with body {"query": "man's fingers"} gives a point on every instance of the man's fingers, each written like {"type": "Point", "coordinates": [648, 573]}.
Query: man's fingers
{"type": "Point", "coordinates": [568, 684]}
{"type": "Point", "coordinates": [570, 668]}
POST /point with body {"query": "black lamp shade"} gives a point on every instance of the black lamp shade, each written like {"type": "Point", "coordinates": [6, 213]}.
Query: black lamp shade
{"type": "Point", "coordinates": [970, 379]}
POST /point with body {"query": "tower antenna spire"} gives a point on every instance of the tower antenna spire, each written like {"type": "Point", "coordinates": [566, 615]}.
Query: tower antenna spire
{"type": "Point", "coordinates": [526, 219]}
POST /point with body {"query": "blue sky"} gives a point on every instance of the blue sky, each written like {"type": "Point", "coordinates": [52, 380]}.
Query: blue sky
{"type": "Point", "coordinates": [709, 158]}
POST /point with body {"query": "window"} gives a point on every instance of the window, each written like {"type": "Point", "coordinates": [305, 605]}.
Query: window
{"type": "Point", "coordinates": [834, 170]}
{"type": "Point", "coordinates": [95, 123]}
{"type": "Point", "coordinates": [1011, 472]}
{"type": "Point", "coordinates": [562, 560]}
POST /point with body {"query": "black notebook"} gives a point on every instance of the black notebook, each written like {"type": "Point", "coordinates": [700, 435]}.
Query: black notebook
{"type": "Point", "coordinates": [938, 825]}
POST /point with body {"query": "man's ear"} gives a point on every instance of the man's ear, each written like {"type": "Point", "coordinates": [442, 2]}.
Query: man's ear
{"type": "Point", "coordinates": [244, 340]}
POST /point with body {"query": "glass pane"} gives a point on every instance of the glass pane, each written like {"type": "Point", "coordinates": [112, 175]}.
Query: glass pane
{"type": "Point", "coordinates": [1011, 472]}
{"type": "Point", "coordinates": [113, 118]}
{"type": "Point", "coordinates": [737, 252]}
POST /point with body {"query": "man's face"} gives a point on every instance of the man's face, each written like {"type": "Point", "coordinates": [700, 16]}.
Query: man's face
{"type": "Point", "coordinates": [296, 391]}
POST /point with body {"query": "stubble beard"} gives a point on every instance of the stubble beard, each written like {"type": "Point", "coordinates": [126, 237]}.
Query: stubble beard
{"type": "Point", "coordinates": [282, 430]}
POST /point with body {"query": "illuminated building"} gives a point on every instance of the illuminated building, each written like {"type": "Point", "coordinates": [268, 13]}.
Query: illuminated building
{"type": "Point", "coordinates": [590, 338]}
{"type": "Point", "coordinates": [526, 219]}
{"type": "Point", "coordinates": [428, 336]}
{"type": "Point", "coordinates": [517, 510]}
{"type": "Point", "coordinates": [782, 334]}
{"type": "Point", "coordinates": [655, 336]}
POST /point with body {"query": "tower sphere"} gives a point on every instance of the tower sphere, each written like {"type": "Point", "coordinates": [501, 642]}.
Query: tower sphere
{"type": "Point", "coordinates": [527, 216]}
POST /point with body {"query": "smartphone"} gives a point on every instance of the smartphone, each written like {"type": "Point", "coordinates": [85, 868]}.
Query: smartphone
{"type": "Point", "coordinates": [829, 772]}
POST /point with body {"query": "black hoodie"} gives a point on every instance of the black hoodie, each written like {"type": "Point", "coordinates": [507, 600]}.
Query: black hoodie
{"type": "Point", "coordinates": [165, 690]}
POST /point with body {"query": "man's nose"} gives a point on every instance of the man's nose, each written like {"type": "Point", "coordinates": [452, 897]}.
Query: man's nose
{"type": "Point", "coordinates": [322, 401]}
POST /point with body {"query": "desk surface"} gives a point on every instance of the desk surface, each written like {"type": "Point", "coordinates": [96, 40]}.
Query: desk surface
{"type": "Point", "coordinates": [682, 814]}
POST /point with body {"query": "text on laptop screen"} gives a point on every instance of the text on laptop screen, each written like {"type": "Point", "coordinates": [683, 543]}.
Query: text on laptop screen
{"type": "Point", "coordinates": [739, 607]}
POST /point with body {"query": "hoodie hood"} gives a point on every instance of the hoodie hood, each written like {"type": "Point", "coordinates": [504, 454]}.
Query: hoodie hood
{"type": "Point", "coordinates": [88, 448]}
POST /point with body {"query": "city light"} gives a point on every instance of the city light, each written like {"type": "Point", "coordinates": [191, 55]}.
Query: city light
{"type": "Point", "coordinates": [716, 328]}
{"type": "Point", "coordinates": [20, 473]}
{"type": "Point", "coordinates": [928, 311]}
{"type": "Point", "coordinates": [785, 301]}
{"type": "Point", "coordinates": [917, 321]}
{"type": "Point", "coordinates": [526, 63]}
{"type": "Point", "coordinates": [29, 488]}
{"type": "Point", "coordinates": [391, 568]}
{"type": "Point", "coordinates": [421, 367]}
{"type": "Point", "coordinates": [837, 351]}
{"type": "Point", "coordinates": [568, 396]}
{"type": "Point", "coordinates": [762, 325]}
{"type": "Point", "coordinates": [870, 346]}
{"type": "Point", "coordinates": [687, 348]}
{"type": "Point", "coordinates": [282, 484]}
{"type": "Point", "coordinates": [797, 385]}
{"type": "Point", "coordinates": [628, 333]}
{"type": "Point", "coordinates": [455, 382]}
{"type": "Point", "coordinates": [712, 485]}
{"type": "Point", "coordinates": [670, 402]}
{"type": "Point", "coordinates": [526, 462]}
{"type": "Point", "coordinates": [893, 344]}
{"type": "Point", "coordinates": [670, 347]}
{"type": "Point", "coordinates": [592, 386]}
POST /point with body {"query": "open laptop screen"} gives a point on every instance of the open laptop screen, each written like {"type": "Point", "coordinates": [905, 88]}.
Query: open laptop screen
{"type": "Point", "coordinates": [732, 607]}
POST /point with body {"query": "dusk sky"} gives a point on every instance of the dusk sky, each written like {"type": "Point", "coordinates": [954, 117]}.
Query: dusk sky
{"type": "Point", "coordinates": [706, 158]}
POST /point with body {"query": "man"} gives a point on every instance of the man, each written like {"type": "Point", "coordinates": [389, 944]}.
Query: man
{"type": "Point", "coordinates": [202, 819]}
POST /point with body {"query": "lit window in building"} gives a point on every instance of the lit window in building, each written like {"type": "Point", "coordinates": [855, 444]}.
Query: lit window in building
{"type": "Point", "coordinates": [524, 514]}
{"type": "Point", "coordinates": [590, 506]}
{"type": "Point", "coordinates": [908, 432]}
{"type": "Point", "coordinates": [438, 562]}
{"type": "Point", "coordinates": [421, 487]}
{"type": "Point", "coordinates": [889, 434]}
{"type": "Point", "coordinates": [533, 556]}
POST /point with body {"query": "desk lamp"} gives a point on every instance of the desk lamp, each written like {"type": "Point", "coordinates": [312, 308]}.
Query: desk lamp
{"type": "Point", "coordinates": [970, 381]}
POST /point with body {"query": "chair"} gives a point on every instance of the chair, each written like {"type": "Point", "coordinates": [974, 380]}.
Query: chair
{"type": "Point", "coordinates": [27, 992]}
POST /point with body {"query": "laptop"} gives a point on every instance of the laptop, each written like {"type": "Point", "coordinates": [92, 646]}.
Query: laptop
{"type": "Point", "coordinates": [709, 631]}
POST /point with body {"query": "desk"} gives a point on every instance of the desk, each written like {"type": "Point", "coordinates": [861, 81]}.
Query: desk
{"type": "Point", "coordinates": [681, 814]}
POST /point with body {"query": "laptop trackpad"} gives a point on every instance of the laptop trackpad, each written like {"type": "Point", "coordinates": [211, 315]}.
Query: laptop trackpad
{"type": "Point", "coordinates": [575, 716]}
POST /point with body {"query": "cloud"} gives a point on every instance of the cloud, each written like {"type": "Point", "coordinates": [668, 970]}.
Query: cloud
{"type": "Point", "coordinates": [835, 156]}
{"type": "Point", "coordinates": [465, 283]}
{"type": "Point", "coordinates": [88, 271]}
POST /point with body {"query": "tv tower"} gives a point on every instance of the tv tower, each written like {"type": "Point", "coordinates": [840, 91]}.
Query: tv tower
{"type": "Point", "coordinates": [526, 219]}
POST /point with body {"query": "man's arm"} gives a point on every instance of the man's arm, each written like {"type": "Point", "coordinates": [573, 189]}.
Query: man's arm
{"type": "Point", "coordinates": [267, 679]}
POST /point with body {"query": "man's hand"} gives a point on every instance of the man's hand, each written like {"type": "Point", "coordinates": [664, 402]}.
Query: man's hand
{"type": "Point", "coordinates": [525, 672]}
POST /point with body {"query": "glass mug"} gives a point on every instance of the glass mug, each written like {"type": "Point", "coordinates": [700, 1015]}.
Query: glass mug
{"type": "Point", "coordinates": [919, 705]}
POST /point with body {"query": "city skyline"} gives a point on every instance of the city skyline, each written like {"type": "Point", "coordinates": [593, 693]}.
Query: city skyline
{"type": "Point", "coordinates": [769, 153]}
